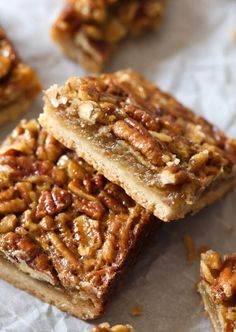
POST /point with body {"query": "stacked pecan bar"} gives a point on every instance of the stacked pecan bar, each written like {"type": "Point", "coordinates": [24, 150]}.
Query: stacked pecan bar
{"type": "Point", "coordinates": [167, 159]}
{"type": "Point", "coordinates": [66, 232]}
{"type": "Point", "coordinates": [218, 290]}
{"type": "Point", "coordinates": [19, 84]}
{"type": "Point", "coordinates": [89, 30]}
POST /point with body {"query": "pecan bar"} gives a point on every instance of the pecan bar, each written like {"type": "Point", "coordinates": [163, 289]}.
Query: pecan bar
{"type": "Point", "coordinates": [88, 30]}
{"type": "Point", "coordinates": [66, 232]}
{"type": "Point", "coordinates": [19, 84]}
{"type": "Point", "coordinates": [218, 290]}
{"type": "Point", "coordinates": [105, 327]}
{"type": "Point", "coordinates": [168, 159]}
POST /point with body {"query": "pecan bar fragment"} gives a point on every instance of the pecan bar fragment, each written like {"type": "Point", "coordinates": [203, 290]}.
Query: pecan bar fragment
{"type": "Point", "coordinates": [89, 30]}
{"type": "Point", "coordinates": [105, 327]}
{"type": "Point", "coordinates": [168, 159]}
{"type": "Point", "coordinates": [218, 290]}
{"type": "Point", "coordinates": [66, 232]}
{"type": "Point", "coordinates": [19, 84]}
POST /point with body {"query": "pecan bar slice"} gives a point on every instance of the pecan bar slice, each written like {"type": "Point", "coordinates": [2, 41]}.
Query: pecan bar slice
{"type": "Point", "coordinates": [89, 30]}
{"type": "Point", "coordinates": [19, 84]}
{"type": "Point", "coordinates": [168, 159]}
{"type": "Point", "coordinates": [218, 290]}
{"type": "Point", "coordinates": [66, 232]}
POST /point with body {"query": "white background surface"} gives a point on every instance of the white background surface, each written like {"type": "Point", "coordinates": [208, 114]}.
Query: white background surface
{"type": "Point", "coordinates": [193, 57]}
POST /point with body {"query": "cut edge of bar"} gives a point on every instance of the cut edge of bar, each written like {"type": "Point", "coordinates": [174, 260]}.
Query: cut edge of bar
{"type": "Point", "coordinates": [113, 171]}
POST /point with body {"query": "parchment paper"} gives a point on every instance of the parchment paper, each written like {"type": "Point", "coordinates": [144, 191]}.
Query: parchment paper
{"type": "Point", "coordinates": [193, 57]}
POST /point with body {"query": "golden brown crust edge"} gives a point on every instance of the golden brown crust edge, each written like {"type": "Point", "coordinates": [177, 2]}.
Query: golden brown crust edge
{"type": "Point", "coordinates": [47, 293]}
{"type": "Point", "coordinates": [209, 306]}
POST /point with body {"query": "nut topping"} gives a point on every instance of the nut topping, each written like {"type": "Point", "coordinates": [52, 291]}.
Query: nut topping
{"type": "Point", "coordinates": [57, 213]}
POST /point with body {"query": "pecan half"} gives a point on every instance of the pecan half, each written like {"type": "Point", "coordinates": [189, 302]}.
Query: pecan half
{"type": "Point", "coordinates": [140, 139]}
{"type": "Point", "coordinates": [145, 118]}
{"type": "Point", "coordinates": [51, 203]}
{"type": "Point", "coordinates": [62, 249]}
{"type": "Point", "coordinates": [13, 206]}
{"type": "Point", "coordinates": [111, 203]}
{"type": "Point", "coordinates": [86, 203]}
{"type": "Point", "coordinates": [119, 194]}
{"type": "Point", "coordinates": [94, 184]}
{"type": "Point", "coordinates": [93, 209]}
{"type": "Point", "coordinates": [87, 233]}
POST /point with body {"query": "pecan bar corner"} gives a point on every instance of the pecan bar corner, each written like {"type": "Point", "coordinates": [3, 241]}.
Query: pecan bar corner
{"type": "Point", "coordinates": [88, 30]}
{"type": "Point", "coordinates": [218, 290]}
{"type": "Point", "coordinates": [66, 233]}
{"type": "Point", "coordinates": [19, 84]}
{"type": "Point", "coordinates": [168, 159]}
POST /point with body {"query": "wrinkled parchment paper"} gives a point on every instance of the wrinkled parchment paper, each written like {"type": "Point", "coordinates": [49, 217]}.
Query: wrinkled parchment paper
{"type": "Point", "coordinates": [193, 57]}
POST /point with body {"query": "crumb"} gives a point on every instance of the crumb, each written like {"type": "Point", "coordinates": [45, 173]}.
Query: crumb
{"type": "Point", "coordinates": [232, 34]}
{"type": "Point", "coordinates": [136, 310]}
{"type": "Point", "coordinates": [203, 249]}
{"type": "Point", "coordinates": [190, 248]}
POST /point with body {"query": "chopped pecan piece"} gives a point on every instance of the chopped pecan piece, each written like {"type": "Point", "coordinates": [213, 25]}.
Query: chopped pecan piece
{"type": "Point", "coordinates": [62, 249]}
{"type": "Point", "coordinates": [225, 285]}
{"type": "Point", "coordinates": [8, 223]}
{"type": "Point", "coordinates": [94, 184]}
{"type": "Point", "coordinates": [87, 204]}
{"type": "Point", "coordinates": [118, 193]}
{"type": "Point", "coordinates": [13, 206]}
{"type": "Point", "coordinates": [105, 327]}
{"type": "Point", "coordinates": [20, 247]}
{"type": "Point", "coordinates": [87, 233]}
{"type": "Point", "coordinates": [111, 203]}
